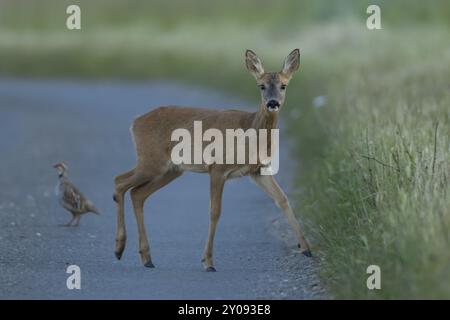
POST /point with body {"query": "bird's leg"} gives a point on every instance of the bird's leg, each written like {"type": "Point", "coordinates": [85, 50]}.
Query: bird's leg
{"type": "Point", "coordinates": [69, 223]}
{"type": "Point", "coordinates": [77, 221]}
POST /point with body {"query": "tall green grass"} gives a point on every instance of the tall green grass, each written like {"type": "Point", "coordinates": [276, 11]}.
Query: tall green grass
{"type": "Point", "coordinates": [376, 190]}
{"type": "Point", "coordinates": [373, 160]}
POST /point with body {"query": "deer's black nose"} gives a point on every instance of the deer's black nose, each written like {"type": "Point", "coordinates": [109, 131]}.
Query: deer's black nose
{"type": "Point", "coordinates": [272, 104]}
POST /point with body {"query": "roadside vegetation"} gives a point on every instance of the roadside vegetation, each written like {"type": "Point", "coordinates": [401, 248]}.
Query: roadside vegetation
{"type": "Point", "coordinates": [369, 110]}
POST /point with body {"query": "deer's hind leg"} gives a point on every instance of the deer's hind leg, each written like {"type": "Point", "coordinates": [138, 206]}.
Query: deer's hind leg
{"type": "Point", "coordinates": [138, 196]}
{"type": "Point", "coordinates": [121, 178]}
{"type": "Point", "coordinates": [123, 183]}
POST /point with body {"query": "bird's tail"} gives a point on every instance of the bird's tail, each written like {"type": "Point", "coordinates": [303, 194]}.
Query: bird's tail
{"type": "Point", "coordinates": [93, 208]}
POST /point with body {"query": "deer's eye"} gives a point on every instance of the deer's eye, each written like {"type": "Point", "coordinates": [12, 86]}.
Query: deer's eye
{"type": "Point", "coordinates": [262, 87]}
{"type": "Point", "coordinates": [283, 87]}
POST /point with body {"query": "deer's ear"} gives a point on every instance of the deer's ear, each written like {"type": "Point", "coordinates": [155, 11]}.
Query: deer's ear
{"type": "Point", "coordinates": [254, 65]}
{"type": "Point", "coordinates": [292, 63]}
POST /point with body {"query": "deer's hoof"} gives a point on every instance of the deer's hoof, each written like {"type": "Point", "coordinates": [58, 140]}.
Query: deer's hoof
{"type": "Point", "coordinates": [210, 269]}
{"type": "Point", "coordinates": [118, 255]}
{"type": "Point", "coordinates": [307, 253]}
{"type": "Point", "coordinates": [149, 265]}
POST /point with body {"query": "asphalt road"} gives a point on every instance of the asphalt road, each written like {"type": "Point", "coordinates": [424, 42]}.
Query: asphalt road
{"type": "Point", "coordinates": [86, 125]}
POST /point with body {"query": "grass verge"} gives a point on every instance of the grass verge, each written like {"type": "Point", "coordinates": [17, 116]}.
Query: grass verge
{"type": "Point", "coordinates": [376, 164]}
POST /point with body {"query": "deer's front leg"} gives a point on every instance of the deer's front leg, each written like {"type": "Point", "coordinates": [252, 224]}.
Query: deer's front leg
{"type": "Point", "coordinates": [216, 189]}
{"type": "Point", "coordinates": [270, 186]}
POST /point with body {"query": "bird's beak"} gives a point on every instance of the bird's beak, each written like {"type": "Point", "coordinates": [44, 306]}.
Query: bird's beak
{"type": "Point", "coordinates": [55, 165]}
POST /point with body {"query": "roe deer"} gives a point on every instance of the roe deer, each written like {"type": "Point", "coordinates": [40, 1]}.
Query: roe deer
{"type": "Point", "coordinates": [155, 169]}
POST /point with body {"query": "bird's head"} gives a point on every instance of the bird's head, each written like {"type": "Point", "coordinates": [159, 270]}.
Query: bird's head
{"type": "Point", "coordinates": [61, 167]}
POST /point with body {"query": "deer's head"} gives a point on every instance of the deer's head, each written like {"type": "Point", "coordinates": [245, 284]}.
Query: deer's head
{"type": "Point", "coordinates": [272, 84]}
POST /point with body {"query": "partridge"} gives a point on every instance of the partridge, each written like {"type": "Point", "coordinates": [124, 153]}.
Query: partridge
{"type": "Point", "coordinates": [70, 198]}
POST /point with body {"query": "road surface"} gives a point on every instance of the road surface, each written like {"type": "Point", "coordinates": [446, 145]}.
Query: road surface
{"type": "Point", "coordinates": [86, 125]}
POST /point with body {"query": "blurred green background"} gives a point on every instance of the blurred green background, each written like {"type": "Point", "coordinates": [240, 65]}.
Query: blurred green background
{"type": "Point", "coordinates": [369, 110]}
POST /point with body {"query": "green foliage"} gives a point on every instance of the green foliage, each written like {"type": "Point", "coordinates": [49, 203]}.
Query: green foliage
{"type": "Point", "coordinates": [376, 190]}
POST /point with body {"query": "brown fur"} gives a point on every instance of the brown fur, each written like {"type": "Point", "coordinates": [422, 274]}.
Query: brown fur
{"type": "Point", "coordinates": [154, 169]}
